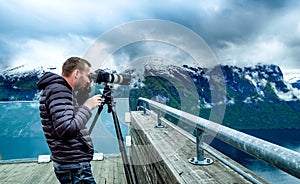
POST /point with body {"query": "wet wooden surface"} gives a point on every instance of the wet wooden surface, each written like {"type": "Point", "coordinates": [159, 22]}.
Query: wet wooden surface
{"type": "Point", "coordinates": [163, 152]}
{"type": "Point", "coordinates": [110, 170]}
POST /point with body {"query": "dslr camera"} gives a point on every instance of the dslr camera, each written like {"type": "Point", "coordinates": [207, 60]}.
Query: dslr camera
{"type": "Point", "coordinates": [102, 76]}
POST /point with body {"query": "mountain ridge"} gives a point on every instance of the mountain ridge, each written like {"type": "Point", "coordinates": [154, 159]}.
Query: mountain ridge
{"type": "Point", "coordinates": [250, 92]}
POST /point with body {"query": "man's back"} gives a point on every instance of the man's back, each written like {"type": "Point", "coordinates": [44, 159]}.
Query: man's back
{"type": "Point", "coordinates": [63, 121]}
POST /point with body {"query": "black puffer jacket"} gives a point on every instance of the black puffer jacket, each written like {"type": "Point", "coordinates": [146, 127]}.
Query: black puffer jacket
{"type": "Point", "coordinates": [64, 121]}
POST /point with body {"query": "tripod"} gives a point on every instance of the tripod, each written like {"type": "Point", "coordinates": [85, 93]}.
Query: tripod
{"type": "Point", "coordinates": [109, 101]}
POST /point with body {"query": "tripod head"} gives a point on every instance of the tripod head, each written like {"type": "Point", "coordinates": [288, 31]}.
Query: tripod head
{"type": "Point", "coordinates": [107, 97]}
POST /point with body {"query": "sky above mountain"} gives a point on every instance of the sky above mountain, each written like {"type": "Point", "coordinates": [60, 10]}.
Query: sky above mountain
{"type": "Point", "coordinates": [239, 33]}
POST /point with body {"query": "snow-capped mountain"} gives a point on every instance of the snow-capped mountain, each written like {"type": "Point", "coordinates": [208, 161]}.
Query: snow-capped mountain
{"type": "Point", "coordinates": [19, 83]}
{"type": "Point", "coordinates": [262, 77]}
{"type": "Point", "coordinates": [255, 83]}
{"type": "Point", "coordinates": [296, 84]}
{"type": "Point", "coordinates": [23, 70]}
{"type": "Point", "coordinates": [249, 93]}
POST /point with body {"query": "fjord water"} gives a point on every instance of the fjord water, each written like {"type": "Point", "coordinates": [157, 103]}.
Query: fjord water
{"type": "Point", "coordinates": [286, 138]}
{"type": "Point", "coordinates": [21, 136]}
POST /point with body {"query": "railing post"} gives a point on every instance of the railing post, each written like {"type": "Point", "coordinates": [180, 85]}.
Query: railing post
{"type": "Point", "coordinates": [142, 106]}
{"type": "Point", "coordinates": [159, 124]}
{"type": "Point", "coordinates": [200, 159]}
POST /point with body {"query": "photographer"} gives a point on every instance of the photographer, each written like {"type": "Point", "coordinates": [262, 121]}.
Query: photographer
{"type": "Point", "coordinates": [64, 120]}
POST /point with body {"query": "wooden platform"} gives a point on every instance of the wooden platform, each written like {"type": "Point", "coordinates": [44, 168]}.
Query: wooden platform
{"type": "Point", "coordinates": [158, 155]}
{"type": "Point", "coordinates": [108, 171]}
{"type": "Point", "coordinates": [161, 155]}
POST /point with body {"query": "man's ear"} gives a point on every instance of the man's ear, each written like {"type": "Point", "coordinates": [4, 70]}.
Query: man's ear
{"type": "Point", "coordinates": [76, 73]}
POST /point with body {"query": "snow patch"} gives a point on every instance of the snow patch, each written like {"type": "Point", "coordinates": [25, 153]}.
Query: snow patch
{"type": "Point", "coordinates": [292, 94]}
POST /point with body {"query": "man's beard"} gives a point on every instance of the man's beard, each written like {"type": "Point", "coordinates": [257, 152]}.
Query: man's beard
{"type": "Point", "coordinates": [82, 94]}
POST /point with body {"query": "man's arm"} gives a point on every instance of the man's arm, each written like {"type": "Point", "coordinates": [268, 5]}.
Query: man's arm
{"type": "Point", "coordinates": [66, 121]}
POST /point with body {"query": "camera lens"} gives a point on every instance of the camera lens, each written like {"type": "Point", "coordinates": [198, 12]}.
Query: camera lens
{"type": "Point", "coordinates": [121, 79]}
{"type": "Point", "coordinates": [106, 77]}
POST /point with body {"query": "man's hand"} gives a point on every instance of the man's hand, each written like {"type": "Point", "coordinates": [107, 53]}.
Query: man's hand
{"type": "Point", "coordinates": [93, 102]}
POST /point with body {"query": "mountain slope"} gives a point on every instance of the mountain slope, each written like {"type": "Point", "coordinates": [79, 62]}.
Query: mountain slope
{"type": "Point", "coordinates": [255, 97]}
{"type": "Point", "coordinates": [19, 86]}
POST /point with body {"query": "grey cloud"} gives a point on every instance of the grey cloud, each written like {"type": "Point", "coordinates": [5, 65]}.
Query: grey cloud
{"type": "Point", "coordinates": [220, 23]}
{"type": "Point", "coordinates": [6, 54]}
{"type": "Point", "coordinates": [166, 32]}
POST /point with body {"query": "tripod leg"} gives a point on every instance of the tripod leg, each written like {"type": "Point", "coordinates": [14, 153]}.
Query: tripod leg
{"type": "Point", "coordinates": [122, 149]}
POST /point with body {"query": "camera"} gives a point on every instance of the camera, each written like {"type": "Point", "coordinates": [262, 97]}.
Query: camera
{"type": "Point", "coordinates": [107, 77]}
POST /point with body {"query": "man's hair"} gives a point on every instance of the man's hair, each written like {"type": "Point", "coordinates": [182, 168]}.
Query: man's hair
{"type": "Point", "coordinates": [72, 64]}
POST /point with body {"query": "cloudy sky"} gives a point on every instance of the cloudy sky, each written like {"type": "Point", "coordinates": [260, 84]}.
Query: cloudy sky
{"type": "Point", "coordinates": [242, 33]}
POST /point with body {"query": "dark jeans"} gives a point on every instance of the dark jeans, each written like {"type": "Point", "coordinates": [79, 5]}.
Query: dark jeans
{"type": "Point", "coordinates": [74, 173]}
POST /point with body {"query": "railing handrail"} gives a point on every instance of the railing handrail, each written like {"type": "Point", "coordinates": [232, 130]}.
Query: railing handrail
{"type": "Point", "coordinates": [278, 156]}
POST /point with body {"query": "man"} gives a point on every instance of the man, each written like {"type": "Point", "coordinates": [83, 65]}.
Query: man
{"type": "Point", "coordinates": [64, 120]}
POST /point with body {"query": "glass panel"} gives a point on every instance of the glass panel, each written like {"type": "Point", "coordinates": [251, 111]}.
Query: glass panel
{"type": "Point", "coordinates": [21, 134]}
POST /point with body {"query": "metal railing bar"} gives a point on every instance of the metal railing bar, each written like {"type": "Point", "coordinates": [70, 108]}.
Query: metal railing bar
{"type": "Point", "coordinates": [278, 156]}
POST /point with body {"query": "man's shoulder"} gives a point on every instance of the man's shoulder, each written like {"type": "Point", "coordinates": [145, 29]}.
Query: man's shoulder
{"type": "Point", "coordinates": [50, 80]}
{"type": "Point", "coordinates": [59, 90]}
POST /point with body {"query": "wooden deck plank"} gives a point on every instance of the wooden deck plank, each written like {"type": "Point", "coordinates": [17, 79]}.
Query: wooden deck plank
{"type": "Point", "coordinates": [116, 174]}
{"type": "Point", "coordinates": [41, 173]}
{"type": "Point", "coordinates": [97, 170]}
{"type": "Point", "coordinates": [104, 172]}
{"type": "Point", "coordinates": [121, 173]}
{"type": "Point", "coordinates": [174, 150]}
{"type": "Point", "coordinates": [111, 173]}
